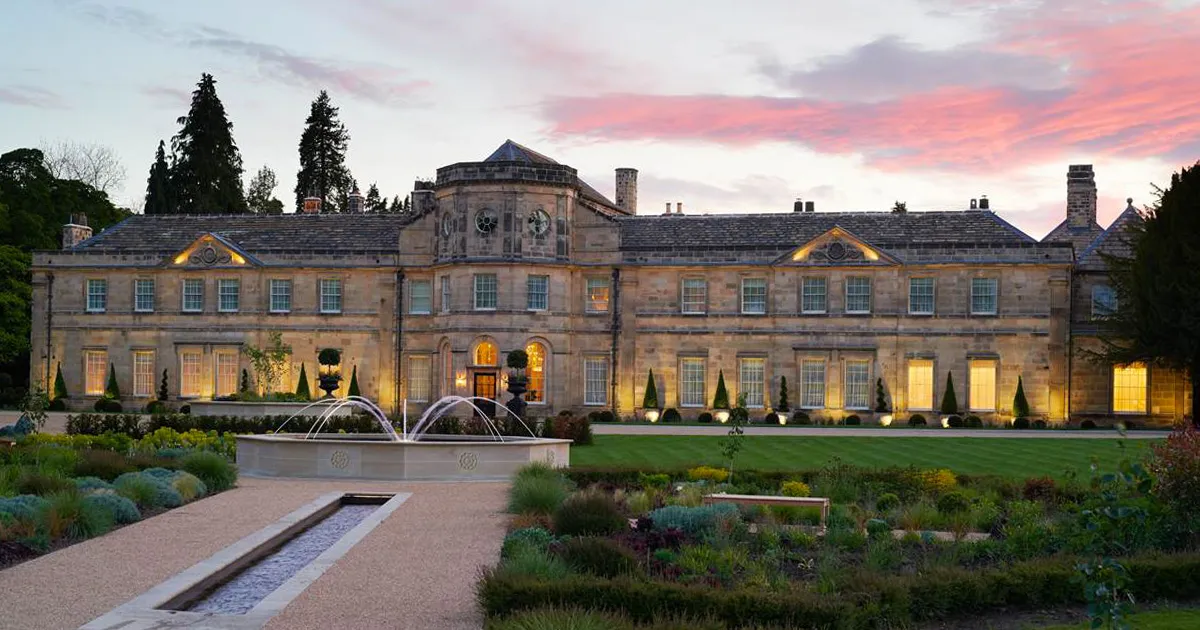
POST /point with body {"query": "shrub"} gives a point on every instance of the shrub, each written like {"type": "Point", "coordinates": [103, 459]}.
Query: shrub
{"type": "Point", "coordinates": [106, 465]}
{"type": "Point", "coordinates": [887, 501]}
{"type": "Point", "coordinates": [147, 491]}
{"type": "Point", "coordinates": [536, 495]}
{"type": "Point", "coordinates": [22, 507]}
{"type": "Point", "coordinates": [43, 484]}
{"type": "Point", "coordinates": [1021, 423]}
{"type": "Point", "coordinates": [535, 537]}
{"type": "Point", "coordinates": [1020, 403]}
{"type": "Point", "coordinates": [801, 417]}
{"type": "Point", "coordinates": [108, 405]}
{"type": "Point", "coordinates": [156, 406]}
{"type": "Point", "coordinates": [954, 502]}
{"type": "Point", "coordinates": [916, 420]}
{"type": "Point", "coordinates": [1039, 489]}
{"type": "Point", "coordinates": [795, 489]}
{"type": "Point", "coordinates": [217, 473]}
{"type": "Point", "coordinates": [88, 484]}
{"type": "Point", "coordinates": [656, 480]}
{"type": "Point", "coordinates": [853, 420]}
{"type": "Point", "coordinates": [188, 486]}
{"type": "Point", "coordinates": [589, 513]}
{"type": "Point", "coordinates": [538, 469]}
{"type": "Point", "coordinates": [566, 426]}
{"type": "Point", "coordinates": [878, 528]}
{"type": "Point", "coordinates": [708, 473]}
{"type": "Point", "coordinates": [650, 398]}
{"type": "Point", "coordinates": [721, 398]}
{"type": "Point", "coordinates": [1087, 424]}
{"type": "Point", "coordinates": [562, 619]}
{"type": "Point", "coordinates": [120, 509]}
{"type": "Point", "coordinates": [704, 417]}
{"type": "Point", "coordinates": [58, 404]}
{"type": "Point", "coordinates": [528, 562]}
{"type": "Point", "coordinates": [937, 481]}
{"type": "Point", "coordinates": [974, 422]}
{"type": "Point", "coordinates": [1039, 424]}
{"type": "Point", "coordinates": [598, 556]}
{"type": "Point", "coordinates": [97, 424]}
{"type": "Point", "coordinates": [693, 521]}
{"type": "Point", "coordinates": [672, 415]}
{"type": "Point", "coordinates": [955, 422]}
{"type": "Point", "coordinates": [66, 514]}
{"type": "Point", "coordinates": [771, 418]}
{"type": "Point", "coordinates": [1175, 465]}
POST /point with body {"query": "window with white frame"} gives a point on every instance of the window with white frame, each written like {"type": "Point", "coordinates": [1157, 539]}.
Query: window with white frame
{"type": "Point", "coordinates": [595, 381]}
{"type": "Point", "coordinates": [227, 372]}
{"type": "Point", "coordinates": [420, 297]}
{"type": "Point", "coordinates": [691, 382]}
{"type": "Point", "coordinates": [693, 295]}
{"type": "Point", "coordinates": [1104, 301]}
{"type": "Point", "coordinates": [228, 295]}
{"type": "Point", "coordinates": [445, 300]}
{"type": "Point", "coordinates": [754, 296]}
{"type": "Point", "coordinates": [97, 296]}
{"type": "Point", "coordinates": [983, 296]}
{"type": "Point", "coordinates": [143, 373]}
{"type": "Point", "coordinates": [858, 384]}
{"type": "Point", "coordinates": [812, 295]}
{"type": "Point", "coordinates": [331, 295]}
{"type": "Point", "coordinates": [420, 378]}
{"type": "Point", "coordinates": [193, 295]}
{"type": "Point", "coordinates": [983, 385]}
{"type": "Point", "coordinates": [95, 365]}
{"type": "Point", "coordinates": [858, 294]}
{"type": "Point", "coordinates": [751, 381]}
{"type": "Point", "coordinates": [537, 293]}
{"type": "Point", "coordinates": [281, 296]}
{"type": "Point", "coordinates": [143, 295]}
{"type": "Point", "coordinates": [1129, 388]}
{"type": "Point", "coordinates": [190, 377]}
{"type": "Point", "coordinates": [920, 296]}
{"type": "Point", "coordinates": [812, 384]}
{"type": "Point", "coordinates": [485, 292]}
{"type": "Point", "coordinates": [597, 295]}
{"type": "Point", "coordinates": [920, 384]}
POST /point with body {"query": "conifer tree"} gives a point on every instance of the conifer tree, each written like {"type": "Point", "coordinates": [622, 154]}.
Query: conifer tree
{"type": "Point", "coordinates": [353, 390]}
{"type": "Point", "coordinates": [397, 205]}
{"type": "Point", "coordinates": [258, 193]}
{"type": "Point", "coordinates": [111, 390]}
{"type": "Point", "coordinates": [323, 171]}
{"type": "Point", "coordinates": [407, 204]}
{"type": "Point", "coordinates": [207, 175]}
{"type": "Point", "coordinates": [1020, 404]}
{"type": "Point", "coordinates": [164, 391]}
{"type": "Point", "coordinates": [783, 405]}
{"type": "Point", "coordinates": [881, 405]}
{"type": "Point", "coordinates": [949, 400]}
{"type": "Point", "coordinates": [721, 399]}
{"type": "Point", "coordinates": [302, 385]}
{"type": "Point", "coordinates": [650, 399]}
{"type": "Point", "coordinates": [158, 186]}
{"type": "Point", "coordinates": [60, 385]}
{"type": "Point", "coordinates": [244, 387]}
{"type": "Point", "coordinates": [373, 202]}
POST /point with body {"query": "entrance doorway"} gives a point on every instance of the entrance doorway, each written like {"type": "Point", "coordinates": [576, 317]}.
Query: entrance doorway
{"type": "Point", "coordinates": [485, 387]}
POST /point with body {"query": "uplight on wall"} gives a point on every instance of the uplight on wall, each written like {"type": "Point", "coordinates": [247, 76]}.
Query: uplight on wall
{"type": "Point", "coordinates": [460, 380]}
{"type": "Point", "coordinates": [722, 416]}
{"type": "Point", "coordinates": [945, 422]}
{"type": "Point", "coordinates": [885, 420]}
{"type": "Point", "coordinates": [652, 415]}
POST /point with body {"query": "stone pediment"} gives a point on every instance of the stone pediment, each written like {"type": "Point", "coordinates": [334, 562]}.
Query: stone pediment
{"type": "Point", "coordinates": [837, 247]}
{"type": "Point", "coordinates": [212, 250]}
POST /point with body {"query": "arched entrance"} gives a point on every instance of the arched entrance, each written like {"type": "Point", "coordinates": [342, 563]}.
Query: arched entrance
{"type": "Point", "coordinates": [485, 374]}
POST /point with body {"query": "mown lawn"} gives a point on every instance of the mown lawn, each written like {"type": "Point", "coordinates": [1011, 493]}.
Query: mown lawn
{"type": "Point", "coordinates": [1158, 620]}
{"type": "Point", "coordinates": [1013, 457]}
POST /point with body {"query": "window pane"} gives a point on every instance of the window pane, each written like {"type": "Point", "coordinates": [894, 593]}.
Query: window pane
{"type": "Point", "coordinates": [812, 384]}
{"type": "Point", "coordinates": [920, 384]}
{"type": "Point", "coordinates": [95, 372]}
{"type": "Point", "coordinates": [983, 386]}
{"type": "Point", "coordinates": [597, 295]}
{"type": "Point", "coordinates": [485, 291]}
{"type": "Point", "coordinates": [143, 374]}
{"type": "Point", "coordinates": [97, 296]}
{"type": "Point", "coordinates": [754, 296]}
{"type": "Point", "coordinates": [857, 384]}
{"type": "Point", "coordinates": [536, 372]}
{"type": "Point", "coordinates": [445, 294]}
{"type": "Point", "coordinates": [983, 296]}
{"type": "Point", "coordinates": [858, 294]}
{"type": "Point", "coordinates": [143, 296]}
{"type": "Point", "coordinates": [537, 290]}
{"type": "Point", "coordinates": [694, 295]}
{"type": "Point", "coordinates": [750, 381]}
{"type": "Point", "coordinates": [920, 296]}
{"type": "Point", "coordinates": [331, 295]}
{"type": "Point", "coordinates": [227, 373]}
{"type": "Point", "coordinates": [485, 353]}
{"type": "Point", "coordinates": [189, 368]}
{"type": "Point", "coordinates": [421, 297]}
{"type": "Point", "coordinates": [595, 381]}
{"type": "Point", "coordinates": [1129, 388]}
{"type": "Point", "coordinates": [281, 296]}
{"type": "Point", "coordinates": [1104, 301]}
{"type": "Point", "coordinates": [193, 294]}
{"type": "Point", "coordinates": [812, 299]}
{"type": "Point", "coordinates": [419, 379]}
{"type": "Point", "coordinates": [691, 383]}
{"type": "Point", "coordinates": [227, 295]}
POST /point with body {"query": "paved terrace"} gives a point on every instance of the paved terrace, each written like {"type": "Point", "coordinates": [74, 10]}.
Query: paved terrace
{"type": "Point", "coordinates": [758, 429]}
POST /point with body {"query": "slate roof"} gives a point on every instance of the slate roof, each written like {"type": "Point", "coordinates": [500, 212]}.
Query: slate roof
{"type": "Point", "coordinates": [1112, 242]}
{"type": "Point", "coordinates": [515, 152]}
{"type": "Point", "coordinates": [254, 233]}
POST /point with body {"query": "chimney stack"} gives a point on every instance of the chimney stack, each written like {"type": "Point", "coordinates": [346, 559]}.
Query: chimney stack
{"type": "Point", "coordinates": [983, 202]}
{"type": "Point", "coordinates": [354, 202]}
{"type": "Point", "coordinates": [798, 206]}
{"type": "Point", "coordinates": [627, 190]}
{"type": "Point", "coordinates": [667, 213]}
{"type": "Point", "coordinates": [678, 207]}
{"type": "Point", "coordinates": [312, 205]}
{"type": "Point", "coordinates": [974, 204]}
{"type": "Point", "coordinates": [1081, 197]}
{"type": "Point", "coordinates": [75, 231]}
{"type": "Point", "coordinates": [810, 206]}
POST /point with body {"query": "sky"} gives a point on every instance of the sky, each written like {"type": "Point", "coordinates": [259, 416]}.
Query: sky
{"type": "Point", "coordinates": [853, 104]}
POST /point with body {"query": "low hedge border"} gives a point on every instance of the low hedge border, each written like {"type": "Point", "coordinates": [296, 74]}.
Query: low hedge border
{"type": "Point", "coordinates": [871, 601]}
{"type": "Point", "coordinates": [138, 426]}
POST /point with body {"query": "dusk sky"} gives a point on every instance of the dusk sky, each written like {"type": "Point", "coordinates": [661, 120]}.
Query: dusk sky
{"type": "Point", "coordinates": [851, 104]}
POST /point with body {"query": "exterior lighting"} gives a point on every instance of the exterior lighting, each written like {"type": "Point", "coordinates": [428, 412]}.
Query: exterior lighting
{"type": "Point", "coordinates": [722, 416]}
{"type": "Point", "coordinates": [652, 415]}
{"type": "Point", "coordinates": [460, 380]}
{"type": "Point", "coordinates": [945, 422]}
{"type": "Point", "coordinates": [885, 420]}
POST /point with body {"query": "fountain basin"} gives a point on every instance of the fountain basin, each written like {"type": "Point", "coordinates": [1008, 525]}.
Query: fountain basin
{"type": "Point", "coordinates": [377, 456]}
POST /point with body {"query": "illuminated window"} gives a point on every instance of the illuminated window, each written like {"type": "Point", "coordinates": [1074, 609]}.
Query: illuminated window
{"type": "Point", "coordinates": [486, 353]}
{"type": "Point", "coordinates": [227, 373]}
{"type": "Point", "coordinates": [812, 384]}
{"type": "Point", "coordinates": [537, 293]}
{"type": "Point", "coordinates": [920, 296]}
{"type": "Point", "coordinates": [143, 373]}
{"type": "Point", "coordinates": [95, 363]}
{"type": "Point", "coordinates": [193, 295]}
{"type": "Point", "coordinates": [281, 296]}
{"type": "Point", "coordinates": [420, 297]}
{"type": "Point", "coordinates": [536, 372]}
{"type": "Point", "coordinates": [754, 296]}
{"type": "Point", "coordinates": [1129, 388]}
{"type": "Point", "coordinates": [858, 294]}
{"type": "Point", "coordinates": [983, 385]}
{"type": "Point", "coordinates": [485, 292]}
{"type": "Point", "coordinates": [858, 379]}
{"type": "Point", "coordinates": [1104, 301]}
{"type": "Point", "coordinates": [143, 296]}
{"type": "Point", "coordinates": [97, 296]}
{"type": "Point", "coordinates": [189, 374]}
{"type": "Point", "coordinates": [693, 296]}
{"type": "Point", "coordinates": [920, 384]}
{"type": "Point", "coordinates": [812, 295]}
{"type": "Point", "coordinates": [751, 376]}
{"type": "Point", "coordinates": [983, 296]}
{"type": "Point", "coordinates": [597, 295]}
{"type": "Point", "coordinates": [331, 295]}
{"type": "Point", "coordinates": [227, 295]}
{"type": "Point", "coordinates": [419, 379]}
{"type": "Point", "coordinates": [691, 383]}
{"type": "Point", "coordinates": [595, 381]}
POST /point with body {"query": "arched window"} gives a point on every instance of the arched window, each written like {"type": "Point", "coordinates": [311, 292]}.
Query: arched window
{"type": "Point", "coordinates": [536, 371]}
{"type": "Point", "coordinates": [485, 353]}
{"type": "Point", "coordinates": [447, 371]}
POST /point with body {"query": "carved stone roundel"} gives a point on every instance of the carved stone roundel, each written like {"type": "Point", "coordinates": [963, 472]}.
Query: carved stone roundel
{"type": "Point", "coordinates": [208, 255]}
{"type": "Point", "coordinates": [339, 459]}
{"type": "Point", "coordinates": [486, 221]}
{"type": "Point", "coordinates": [468, 461]}
{"type": "Point", "coordinates": [836, 251]}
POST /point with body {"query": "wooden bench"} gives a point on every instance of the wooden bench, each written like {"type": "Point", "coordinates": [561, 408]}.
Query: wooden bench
{"type": "Point", "coordinates": [756, 499]}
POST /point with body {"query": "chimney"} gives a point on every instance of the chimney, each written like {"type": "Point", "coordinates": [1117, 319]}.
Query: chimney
{"type": "Point", "coordinates": [798, 206]}
{"type": "Point", "coordinates": [810, 206]}
{"type": "Point", "coordinates": [354, 202]}
{"type": "Point", "coordinates": [627, 190]}
{"type": "Point", "coordinates": [983, 202]}
{"type": "Point", "coordinates": [678, 207]}
{"type": "Point", "coordinates": [668, 211]}
{"type": "Point", "coordinates": [1081, 197]}
{"type": "Point", "coordinates": [75, 231]}
{"type": "Point", "coordinates": [312, 205]}
{"type": "Point", "coordinates": [974, 204]}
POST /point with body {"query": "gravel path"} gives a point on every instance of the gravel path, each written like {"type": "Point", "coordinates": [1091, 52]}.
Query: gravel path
{"type": "Point", "coordinates": [417, 569]}
{"type": "Point", "coordinates": [720, 429]}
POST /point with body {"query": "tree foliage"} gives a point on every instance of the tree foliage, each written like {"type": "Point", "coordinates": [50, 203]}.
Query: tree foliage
{"type": "Point", "coordinates": [323, 144]}
{"type": "Point", "coordinates": [783, 405]}
{"type": "Point", "coordinates": [259, 198]}
{"type": "Point", "coordinates": [721, 399]}
{"type": "Point", "coordinates": [112, 390]}
{"type": "Point", "coordinates": [207, 175]}
{"type": "Point", "coordinates": [373, 201]}
{"type": "Point", "coordinates": [34, 205]}
{"type": "Point", "coordinates": [650, 398]}
{"type": "Point", "coordinates": [1020, 403]}
{"type": "Point", "coordinates": [949, 400]}
{"type": "Point", "coordinates": [881, 405]}
{"type": "Point", "coordinates": [353, 390]}
{"type": "Point", "coordinates": [268, 362]}
{"type": "Point", "coordinates": [302, 390]}
{"type": "Point", "coordinates": [60, 385]}
{"type": "Point", "coordinates": [158, 186]}
{"type": "Point", "coordinates": [96, 165]}
{"type": "Point", "coordinates": [16, 294]}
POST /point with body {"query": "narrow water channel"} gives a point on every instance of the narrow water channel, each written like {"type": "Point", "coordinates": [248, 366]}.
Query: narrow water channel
{"type": "Point", "coordinates": [250, 586]}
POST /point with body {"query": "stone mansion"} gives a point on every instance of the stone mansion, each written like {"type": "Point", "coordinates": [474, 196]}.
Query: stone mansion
{"type": "Point", "coordinates": [516, 251]}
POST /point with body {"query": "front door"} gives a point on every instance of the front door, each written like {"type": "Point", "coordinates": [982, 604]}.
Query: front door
{"type": "Point", "coordinates": [485, 387]}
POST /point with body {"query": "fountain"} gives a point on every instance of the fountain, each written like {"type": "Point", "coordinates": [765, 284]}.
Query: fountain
{"type": "Point", "coordinates": [410, 453]}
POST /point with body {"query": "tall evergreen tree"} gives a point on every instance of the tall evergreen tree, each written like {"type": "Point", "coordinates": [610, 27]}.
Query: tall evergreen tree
{"type": "Point", "coordinates": [373, 202]}
{"type": "Point", "coordinates": [258, 193]}
{"type": "Point", "coordinates": [949, 400]}
{"type": "Point", "coordinates": [650, 398]}
{"type": "Point", "coordinates": [407, 204]}
{"type": "Point", "coordinates": [323, 171]}
{"type": "Point", "coordinates": [397, 205]}
{"type": "Point", "coordinates": [207, 175]}
{"type": "Point", "coordinates": [158, 186]}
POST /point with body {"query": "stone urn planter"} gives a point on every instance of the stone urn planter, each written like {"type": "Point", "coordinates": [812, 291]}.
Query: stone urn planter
{"type": "Point", "coordinates": [517, 382]}
{"type": "Point", "coordinates": [330, 379]}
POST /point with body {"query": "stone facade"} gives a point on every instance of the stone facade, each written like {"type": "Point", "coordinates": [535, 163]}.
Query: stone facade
{"type": "Point", "coordinates": [517, 252]}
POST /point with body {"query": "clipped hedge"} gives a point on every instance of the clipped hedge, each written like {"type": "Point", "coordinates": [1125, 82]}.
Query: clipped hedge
{"type": "Point", "coordinates": [138, 426]}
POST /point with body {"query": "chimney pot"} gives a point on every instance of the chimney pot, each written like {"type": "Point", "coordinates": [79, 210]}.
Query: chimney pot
{"type": "Point", "coordinates": [678, 207]}
{"type": "Point", "coordinates": [312, 205]}
{"type": "Point", "coordinates": [75, 231]}
{"type": "Point", "coordinates": [798, 206]}
{"type": "Point", "coordinates": [974, 203]}
{"type": "Point", "coordinates": [983, 202]}
{"type": "Point", "coordinates": [810, 206]}
{"type": "Point", "coordinates": [668, 210]}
